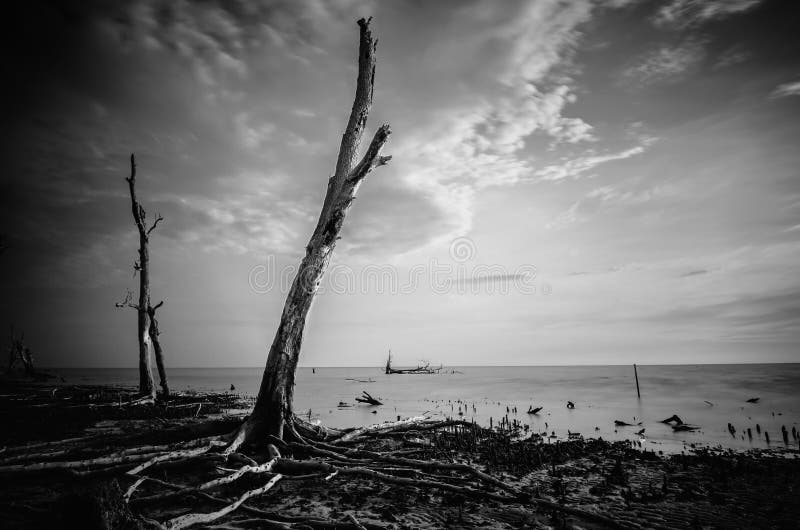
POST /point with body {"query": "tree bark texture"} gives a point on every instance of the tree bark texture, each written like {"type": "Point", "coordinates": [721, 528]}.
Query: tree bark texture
{"type": "Point", "coordinates": [157, 350]}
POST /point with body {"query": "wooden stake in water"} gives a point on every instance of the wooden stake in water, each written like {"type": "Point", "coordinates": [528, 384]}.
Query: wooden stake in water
{"type": "Point", "coordinates": [636, 375]}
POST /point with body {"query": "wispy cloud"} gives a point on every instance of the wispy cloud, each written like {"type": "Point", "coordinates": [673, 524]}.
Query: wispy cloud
{"type": "Point", "coordinates": [786, 89]}
{"type": "Point", "coordinates": [567, 217]}
{"type": "Point", "coordinates": [614, 194]}
{"type": "Point", "coordinates": [481, 142]}
{"type": "Point", "coordinates": [235, 218]}
{"type": "Point", "coordinates": [665, 64]}
{"type": "Point", "coordinates": [732, 56]}
{"type": "Point", "coordinates": [684, 13]}
{"type": "Point", "coordinates": [576, 167]}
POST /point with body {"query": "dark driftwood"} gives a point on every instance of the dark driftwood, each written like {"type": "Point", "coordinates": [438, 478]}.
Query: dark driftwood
{"type": "Point", "coordinates": [274, 403]}
{"type": "Point", "coordinates": [366, 398]}
{"type": "Point", "coordinates": [674, 418]}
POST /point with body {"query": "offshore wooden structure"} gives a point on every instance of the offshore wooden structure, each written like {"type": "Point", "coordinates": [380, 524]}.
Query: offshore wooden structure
{"type": "Point", "coordinates": [420, 369]}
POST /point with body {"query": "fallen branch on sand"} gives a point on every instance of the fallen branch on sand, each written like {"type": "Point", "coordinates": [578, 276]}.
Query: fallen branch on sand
{"type": "Point", "coordinates": [175, 455]}
{"type": "Point", "coordinates": [620, 423]}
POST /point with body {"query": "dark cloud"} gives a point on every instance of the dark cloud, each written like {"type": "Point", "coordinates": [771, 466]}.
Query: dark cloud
{"type": "Point", "coordinates": [696, 272]}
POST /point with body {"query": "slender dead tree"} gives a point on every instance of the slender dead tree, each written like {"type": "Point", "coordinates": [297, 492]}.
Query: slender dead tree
{"type": "Point", "coordinates": [273, 408]}
{"type": "Point", "coordinates": [146, 386]}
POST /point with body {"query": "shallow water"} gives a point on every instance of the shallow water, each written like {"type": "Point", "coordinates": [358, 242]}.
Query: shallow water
{"type": "Point", "coordinates": [601, 395]}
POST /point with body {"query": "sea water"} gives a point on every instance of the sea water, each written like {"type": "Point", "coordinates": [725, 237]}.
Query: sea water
{"type": "Point", "coordinates": [708, 396]}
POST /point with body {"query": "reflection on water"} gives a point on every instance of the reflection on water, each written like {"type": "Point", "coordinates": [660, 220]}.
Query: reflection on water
{"type": "Point", "coordinates": [601, 395]}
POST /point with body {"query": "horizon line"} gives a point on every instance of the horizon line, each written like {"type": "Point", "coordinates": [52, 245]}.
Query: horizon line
{"type": "Point", "coordinates": [380, 367]}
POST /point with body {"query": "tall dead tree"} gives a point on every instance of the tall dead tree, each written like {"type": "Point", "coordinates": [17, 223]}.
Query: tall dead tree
{"type": "Point", "coordinates": [144, 310]}
{"type": "Point", "coordinates": [273, 408]}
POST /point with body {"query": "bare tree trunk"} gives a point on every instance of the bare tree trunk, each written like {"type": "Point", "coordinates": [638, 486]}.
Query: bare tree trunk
{"type": "Point", "coordinates": [274, 403]}
{"type": "Point", "coordinates": [146, 386]}
{"type": "Point", "coordinates": [154, 333]}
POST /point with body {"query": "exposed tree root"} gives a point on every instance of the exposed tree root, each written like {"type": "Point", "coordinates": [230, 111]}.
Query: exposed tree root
{"type": "Point", "coordinates": [337, 461]}
{"type": "Point", "coordinates": [129, 491]}
{"type": "Point", "coordinates": [264, 468]}
{"type": "Point", "coordinates": [355, 521]}
{"type": "Point", "coordinates": [378, 428]}
{"type": "Point", "coordinates": [368, 456]}
{"type": "Point", "coordinates": [185, 521]}
{"type": "Point", "coordinates": [295, 467]}
{"type": "Point", "coordinates": [139, 450]}
{"type": "Point", "coordinates": [267, 519]}
{"type": "Point", "coordinates": [175, 455]}
{"type": "Point", "coordinates": [89, 462]}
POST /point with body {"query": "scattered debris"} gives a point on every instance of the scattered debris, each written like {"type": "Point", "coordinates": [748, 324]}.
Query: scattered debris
{"type": "Point", "coordinates": [674, 418]}
{"type": "Point", "coordinates": [684, 427]}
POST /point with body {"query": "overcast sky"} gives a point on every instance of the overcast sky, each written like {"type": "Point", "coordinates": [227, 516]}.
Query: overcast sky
{"type": "Point", "coordinates": [641, 157]}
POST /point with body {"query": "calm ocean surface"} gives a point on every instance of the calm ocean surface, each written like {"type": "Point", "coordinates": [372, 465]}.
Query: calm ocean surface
{"type": "Point", "coordinates": [601, 395]}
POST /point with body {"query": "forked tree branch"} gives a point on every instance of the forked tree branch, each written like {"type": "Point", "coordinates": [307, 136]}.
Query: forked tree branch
{"type": "Point", "coordinates": [155, 223]}
{"type": "Point", "coordinates": [128, 301]}
{"type": "Point", "coordinates": [372, 158]}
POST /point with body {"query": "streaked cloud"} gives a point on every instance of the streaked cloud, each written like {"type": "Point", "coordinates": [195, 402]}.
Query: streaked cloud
{"type": "Point", "coordinates": [684, 13]}
{"type": "Point", "coordinates": [786, 89]}
{"type": "Point", "coordinates": [565, 218]}
{"type": "Point", "coordinates": [576, 167]}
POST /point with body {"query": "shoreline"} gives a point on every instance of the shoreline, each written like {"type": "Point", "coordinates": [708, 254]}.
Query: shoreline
{"type": "Point", "coordinates": [612, 480]}
{"type": "Point", "coordinates": [602, 398]}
